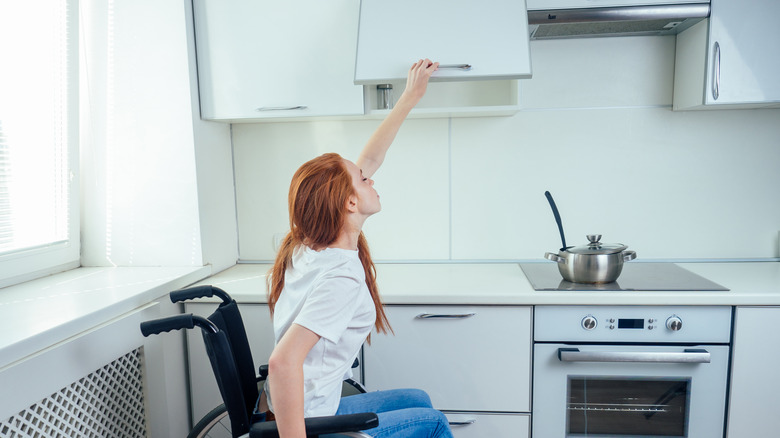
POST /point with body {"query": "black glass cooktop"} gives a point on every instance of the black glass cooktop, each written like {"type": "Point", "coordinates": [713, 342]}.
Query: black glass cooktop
{"type": "Point", "coordinates": [635, 276]}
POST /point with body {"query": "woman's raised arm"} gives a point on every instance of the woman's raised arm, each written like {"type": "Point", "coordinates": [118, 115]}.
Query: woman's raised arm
{"type": "Point", "coordinates": [373, 153]}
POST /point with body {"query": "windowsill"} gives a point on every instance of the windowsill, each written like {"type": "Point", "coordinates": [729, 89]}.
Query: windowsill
{"type": "Point", "coordinates": [40, 313]}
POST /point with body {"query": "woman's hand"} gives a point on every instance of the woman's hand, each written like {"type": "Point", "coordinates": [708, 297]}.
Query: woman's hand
{"type": "Point", "coordinates": [417, 79]}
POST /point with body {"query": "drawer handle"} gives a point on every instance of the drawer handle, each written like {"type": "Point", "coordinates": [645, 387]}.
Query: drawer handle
{"type": "Point", "coordinates": [282, 108]}
{"type": "Point", "coordinates": [462, 423]}
{"type": "Point", "coordinates": [465, 67]}
{"type": "Point", "coordinates": [444, 316]}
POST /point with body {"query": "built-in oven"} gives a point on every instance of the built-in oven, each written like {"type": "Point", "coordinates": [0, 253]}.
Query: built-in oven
{"type": "Point", "coordinates": [630, 371]}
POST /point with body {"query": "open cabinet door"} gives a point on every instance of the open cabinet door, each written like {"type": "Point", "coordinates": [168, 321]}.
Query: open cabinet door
{"type": "Point", "coordinates": [471, 40]}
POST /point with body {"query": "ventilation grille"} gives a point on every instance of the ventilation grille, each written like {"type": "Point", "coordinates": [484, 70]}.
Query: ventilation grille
{"type": "Point", "coordinates": [107, 403]}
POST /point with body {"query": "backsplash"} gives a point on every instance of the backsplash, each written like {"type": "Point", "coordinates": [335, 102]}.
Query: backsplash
{"type": "Point", "coordinates": [596, 130]}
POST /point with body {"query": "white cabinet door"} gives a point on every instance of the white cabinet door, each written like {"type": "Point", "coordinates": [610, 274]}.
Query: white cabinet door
{"type": "Point", "coordinates": [465, 358]}
{"type": "Point", "coordinates": [269, 59]}
{"type": "Point", "coordinates": [492, 38]}
{"type": "Point", "coordinates": [755, 387]}
{"type": "Point", "coordinates": [743, 52]}
{"type": "Point", "coordinates": [729, 60]}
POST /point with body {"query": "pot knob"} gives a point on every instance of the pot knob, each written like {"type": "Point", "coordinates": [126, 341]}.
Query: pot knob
{"type": "Point", "coordinates": [593, 238]}
{"type": "Point", "coordinates": [674, 323]}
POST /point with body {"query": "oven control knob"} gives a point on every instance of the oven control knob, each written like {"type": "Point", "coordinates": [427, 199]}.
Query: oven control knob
{"type": "Point", "coordinates": [589, 322]}
{"type": "Point", "coordinates": [674, 323]}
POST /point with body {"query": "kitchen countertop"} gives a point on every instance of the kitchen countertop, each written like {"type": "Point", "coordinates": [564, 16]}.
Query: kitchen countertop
{"type": "Point", "coordinates": [750, 284]}
{"type": "Point", "coordinates": [41, 313]}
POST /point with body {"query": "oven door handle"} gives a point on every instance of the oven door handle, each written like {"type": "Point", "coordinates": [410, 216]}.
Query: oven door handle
{"type": "Point", "coordinates": [689, 355]}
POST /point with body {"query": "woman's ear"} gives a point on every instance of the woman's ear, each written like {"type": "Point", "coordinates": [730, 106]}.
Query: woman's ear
{"type": "Point", "coordinates": [352, 204]}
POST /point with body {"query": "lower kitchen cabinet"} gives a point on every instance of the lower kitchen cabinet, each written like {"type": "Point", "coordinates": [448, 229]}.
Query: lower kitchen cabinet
{"type": "Point", "coordinates": [204, 393]}
{"type": "Point", "coordinates": [473, 360]}
{"type": "Point", "coordinates": [754, 396]}
{"type": "Point", "coordinates": [465, 425]}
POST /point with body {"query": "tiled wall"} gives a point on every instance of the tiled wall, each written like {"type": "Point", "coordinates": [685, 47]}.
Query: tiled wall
{"type": "Point", "coordinates": [596, 130]}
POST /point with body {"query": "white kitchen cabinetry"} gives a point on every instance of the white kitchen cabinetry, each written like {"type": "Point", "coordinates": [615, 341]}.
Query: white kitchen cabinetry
{"type": "Point", "coordinates": [755, 387]}
{"type": "Point", "coordinates": [492, 40]}
{"type": "Point", "coordinates": [204, 393]}
{"type": "Point", "coordinates": [455, 99]}
{"type": "Point", "coordinates": [474, 362]}
{"type": "Point", "coordinates": [730, 60]}
{"type": "Point", "coordinates": [276, 59]}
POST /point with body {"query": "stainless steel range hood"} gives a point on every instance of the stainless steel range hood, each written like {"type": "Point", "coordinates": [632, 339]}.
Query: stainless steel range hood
{"type": "Point", "coordinates": [658, 19]}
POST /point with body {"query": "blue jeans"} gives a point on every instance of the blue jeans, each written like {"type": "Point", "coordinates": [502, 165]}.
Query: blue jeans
{"type": "Point", "coordinates": [406, 413]}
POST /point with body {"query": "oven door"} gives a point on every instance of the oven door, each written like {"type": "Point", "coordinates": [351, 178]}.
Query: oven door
{"type": "Point", "coordinates": [629, 391]}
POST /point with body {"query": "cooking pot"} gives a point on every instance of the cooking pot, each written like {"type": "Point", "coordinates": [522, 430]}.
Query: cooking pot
{"type": "Point", "coordinates": [595, 262]}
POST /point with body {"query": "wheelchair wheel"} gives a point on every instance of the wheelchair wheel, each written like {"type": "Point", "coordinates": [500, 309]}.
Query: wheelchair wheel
{"type": "Point", "coordinates": [215, 424]}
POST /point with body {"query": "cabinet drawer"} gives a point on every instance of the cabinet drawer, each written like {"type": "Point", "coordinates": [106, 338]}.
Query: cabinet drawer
{"type": "Point", "coordinates": [469, 425]}
{"type": "Point", "coordinates": [468, 358]}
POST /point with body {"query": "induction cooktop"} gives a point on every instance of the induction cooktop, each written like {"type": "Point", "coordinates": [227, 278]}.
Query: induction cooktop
{"type": "Point", "coordinates": [635, 276]}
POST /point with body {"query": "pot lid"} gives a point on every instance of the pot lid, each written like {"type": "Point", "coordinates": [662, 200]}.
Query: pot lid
{"type": "Point", "coordinates": [596, 247]}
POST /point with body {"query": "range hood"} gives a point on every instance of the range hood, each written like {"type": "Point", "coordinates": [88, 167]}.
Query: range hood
{"type": "Point", "coordinates": [552, 19]}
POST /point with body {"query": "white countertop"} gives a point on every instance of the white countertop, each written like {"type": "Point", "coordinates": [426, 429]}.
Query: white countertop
{"type": "Point", "coordinates": [750, 283]}
{"type": "Point", "coordinates": [41, 313]}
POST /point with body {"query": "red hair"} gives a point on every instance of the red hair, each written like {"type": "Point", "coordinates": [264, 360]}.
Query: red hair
{"type": "Point", "coordinates": [319, 192]}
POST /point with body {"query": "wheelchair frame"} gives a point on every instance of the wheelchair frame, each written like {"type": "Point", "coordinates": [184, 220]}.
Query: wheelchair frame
{"type": "Point", "coordinates": [231, 361]}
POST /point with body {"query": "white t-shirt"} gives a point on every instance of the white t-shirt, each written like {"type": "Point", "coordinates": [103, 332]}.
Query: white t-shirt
{"type": "Point", "coordinates": [326, 292]}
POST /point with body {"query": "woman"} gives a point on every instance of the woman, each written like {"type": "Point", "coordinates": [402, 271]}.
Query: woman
{"type": "Point", "coordinates": [323, 294]}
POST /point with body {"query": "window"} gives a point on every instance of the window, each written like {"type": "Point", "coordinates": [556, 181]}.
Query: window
{"type": "Point", "coordinates": [39, 220]}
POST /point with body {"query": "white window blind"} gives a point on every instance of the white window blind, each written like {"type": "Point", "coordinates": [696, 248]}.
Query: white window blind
{"type": "Point", "coordinates": [38, 138]}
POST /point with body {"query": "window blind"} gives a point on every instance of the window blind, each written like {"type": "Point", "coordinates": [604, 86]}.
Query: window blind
{"type": "Point", "coordinates": [38, 120]}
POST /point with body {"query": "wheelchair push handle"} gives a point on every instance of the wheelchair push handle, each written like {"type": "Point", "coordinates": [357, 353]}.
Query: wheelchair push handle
{"type": "Point", "coordinates": [176, 322]}
{"type": "Point", "coordinates": [205, 291]}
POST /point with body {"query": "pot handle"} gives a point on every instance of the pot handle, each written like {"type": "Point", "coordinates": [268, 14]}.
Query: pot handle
{"type": "Point", "coordinates": [554, 257]}
{"type": "Point", "coordinates": [629, 255]}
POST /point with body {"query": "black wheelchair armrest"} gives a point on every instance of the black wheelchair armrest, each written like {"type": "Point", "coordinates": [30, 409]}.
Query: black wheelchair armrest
{"type": "Point", "coordinates": [262, 372]}
{"type": "Point", "coordinates": [321, 425]}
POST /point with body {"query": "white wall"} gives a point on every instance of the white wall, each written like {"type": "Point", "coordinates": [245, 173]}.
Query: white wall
{"type": "Point", "coordinates": [214, 172]}
{"type": "Point", "coordinates": [156, 180]}
{"type": "Point", "coordinates": [596, 130]}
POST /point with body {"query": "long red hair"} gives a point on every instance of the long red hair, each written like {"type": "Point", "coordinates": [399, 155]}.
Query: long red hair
{"type": "Point", "coordinates": [319, 192]}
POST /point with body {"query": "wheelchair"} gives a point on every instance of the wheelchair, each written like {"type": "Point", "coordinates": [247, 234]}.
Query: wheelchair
{"type": "Point", "coordinates": [239, 385]}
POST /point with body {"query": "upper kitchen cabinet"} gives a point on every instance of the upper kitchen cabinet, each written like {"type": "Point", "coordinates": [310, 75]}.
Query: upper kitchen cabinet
{"type": "Point", "coordinates": [471, 40]}
{"type": "Point", "coordinates": [267, 59]}
{"type": "Point", "coordinates": [730, 61]}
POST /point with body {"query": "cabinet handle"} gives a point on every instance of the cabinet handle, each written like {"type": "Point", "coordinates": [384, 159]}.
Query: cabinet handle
{"type": "Point", "coordinates": [465, 67]}
{"type": "Point", "coordinates": [444, 316]}
{"type": "Point", "coordinates": [716, 71]}
{"type": "Point", "coordinates": [281, 108]}
{"type": "Point", "coordinates": [462, 423]}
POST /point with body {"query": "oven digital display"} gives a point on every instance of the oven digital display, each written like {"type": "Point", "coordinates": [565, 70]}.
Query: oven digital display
{"type": "Point", "coordinates": [631, 323]}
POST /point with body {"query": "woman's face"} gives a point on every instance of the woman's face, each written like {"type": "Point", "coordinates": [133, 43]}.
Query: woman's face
{"type": "Point", "coordinates": [368, 199]}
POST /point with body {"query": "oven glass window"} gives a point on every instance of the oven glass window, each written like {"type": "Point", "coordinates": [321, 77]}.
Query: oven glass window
{"type": "Point", "coordinates": [627, 406]}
